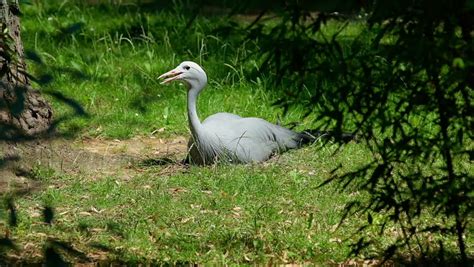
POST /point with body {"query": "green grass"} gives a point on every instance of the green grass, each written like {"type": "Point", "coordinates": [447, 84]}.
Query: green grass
{"type": "Point", "coordinates": [222, 214]}
{"type": "Point", "coordinates": [264, 213]}
{"type": "Point", "coordinates": [112, 70]}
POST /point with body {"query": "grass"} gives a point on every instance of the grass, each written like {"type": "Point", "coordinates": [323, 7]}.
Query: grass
{"type": "Point", "coordinates": [223, 214]}
{"type": "Point", "coordinates": [112, 70]}
{"type": "Point", "coordinates": [263, 213]}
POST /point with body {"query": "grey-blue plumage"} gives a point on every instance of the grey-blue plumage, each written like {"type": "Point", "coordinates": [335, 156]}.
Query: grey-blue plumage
{"type": "Point", "coordinates": [225, 136]}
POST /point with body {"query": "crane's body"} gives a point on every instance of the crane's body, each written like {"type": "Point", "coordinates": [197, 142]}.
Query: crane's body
{"type": "Point", "coordinates": [225, 136]}
{"type": "Point", "coordinates": [228, 137]}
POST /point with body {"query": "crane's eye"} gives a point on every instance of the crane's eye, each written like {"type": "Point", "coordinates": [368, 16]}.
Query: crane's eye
{"type": "Point", "coordinates": [186, 67]}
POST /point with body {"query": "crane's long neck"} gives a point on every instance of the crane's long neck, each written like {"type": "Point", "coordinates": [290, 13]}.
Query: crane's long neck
{"type": "Point", "coordinates": [194, 122]}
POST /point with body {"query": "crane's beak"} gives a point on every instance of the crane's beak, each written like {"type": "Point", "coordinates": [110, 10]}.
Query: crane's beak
{"type": "Point", "coordinates": [170, 76]}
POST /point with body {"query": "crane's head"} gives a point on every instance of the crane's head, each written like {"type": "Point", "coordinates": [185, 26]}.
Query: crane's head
{"type": "Point", "coordinates": [189, 72]}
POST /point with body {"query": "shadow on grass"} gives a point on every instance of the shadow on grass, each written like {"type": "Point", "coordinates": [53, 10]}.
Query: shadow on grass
{"type": "Point", "coordinates": [58, 252]}
{"type": "Point", "coordinates": [163, 161]}
{"type": "Point", "coordinates": [7, 159]}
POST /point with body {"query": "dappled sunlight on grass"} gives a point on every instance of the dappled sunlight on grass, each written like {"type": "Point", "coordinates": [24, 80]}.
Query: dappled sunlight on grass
{"type": "Point", "coordinates": [111, 70]}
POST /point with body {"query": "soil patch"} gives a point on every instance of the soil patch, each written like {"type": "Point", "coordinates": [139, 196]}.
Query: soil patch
{"type": "Point", "coordinates": [89, 155]}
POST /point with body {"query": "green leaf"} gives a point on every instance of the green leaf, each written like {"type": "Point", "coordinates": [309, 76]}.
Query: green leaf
{"type": "Point", "coordinates": [458, 63]}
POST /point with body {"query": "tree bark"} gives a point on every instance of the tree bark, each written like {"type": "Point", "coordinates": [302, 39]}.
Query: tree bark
{"type": "Point", "coordinates": [23, 111]}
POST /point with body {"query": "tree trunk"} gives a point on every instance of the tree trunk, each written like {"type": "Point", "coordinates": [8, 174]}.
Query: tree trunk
{"type": "Point", "coordinates": [23, 111]}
